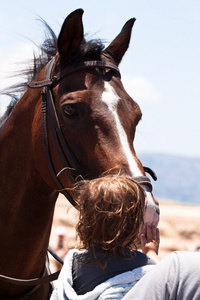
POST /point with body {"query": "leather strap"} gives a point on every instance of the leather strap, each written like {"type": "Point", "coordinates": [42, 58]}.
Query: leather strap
{"type": "Point", "coordinates": [144, 180]}
{"type": "Point", "coordinates": [35, 281]}
{"type": "Point", "coordinates": [30, 282]}
{"type": "Point", "coordinates": [49, 81]}
{"type": "Point", "coordinates": [52, 252]}
{"type": "Point", "coordinates": [49, 118]}
{"type": "Point", "coordinates": [151, 172]}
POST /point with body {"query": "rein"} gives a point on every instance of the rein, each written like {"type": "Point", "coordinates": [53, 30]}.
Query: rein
{"type": "Point", "coordinates": [35, 282]}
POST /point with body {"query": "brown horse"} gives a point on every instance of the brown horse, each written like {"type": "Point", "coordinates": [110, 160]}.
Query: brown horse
{"type": "Point", "coordinates": [87, 127]}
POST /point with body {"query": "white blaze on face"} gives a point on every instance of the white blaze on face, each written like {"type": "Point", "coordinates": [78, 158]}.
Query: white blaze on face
{"type": "Point", "coordinates": [110, 97]}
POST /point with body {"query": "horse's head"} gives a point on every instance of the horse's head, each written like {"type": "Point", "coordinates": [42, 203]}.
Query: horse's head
{"type": "Point", "coordinates": [97, 117]}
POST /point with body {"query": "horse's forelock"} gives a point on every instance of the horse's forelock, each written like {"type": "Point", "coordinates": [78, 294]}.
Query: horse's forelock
{"type": "Point", "coordinates": [89, 50]}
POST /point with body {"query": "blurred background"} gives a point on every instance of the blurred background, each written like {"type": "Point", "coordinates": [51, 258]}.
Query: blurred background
{"type": "Point", "coordinates": [161, 71]}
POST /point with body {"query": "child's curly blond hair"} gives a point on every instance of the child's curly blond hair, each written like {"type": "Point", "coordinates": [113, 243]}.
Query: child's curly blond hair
{"type": "Point", "coordinates": [111, 213]}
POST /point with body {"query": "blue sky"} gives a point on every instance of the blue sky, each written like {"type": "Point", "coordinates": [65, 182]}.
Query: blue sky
{"type": "Point", "coordinates": [161, 69]}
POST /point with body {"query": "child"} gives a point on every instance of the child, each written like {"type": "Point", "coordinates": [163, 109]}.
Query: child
{"type": "Point", "coordinates": [109, 227]}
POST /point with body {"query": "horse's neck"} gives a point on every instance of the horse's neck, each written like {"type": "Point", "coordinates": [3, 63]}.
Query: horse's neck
{"type": "Point", "coordinates": [26, 202]}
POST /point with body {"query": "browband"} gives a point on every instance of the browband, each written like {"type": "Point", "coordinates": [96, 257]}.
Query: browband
{"type": "Point", "coordinates": [84, 65]}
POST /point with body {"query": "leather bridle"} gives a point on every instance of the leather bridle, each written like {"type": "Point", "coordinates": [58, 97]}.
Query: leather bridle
{"type": "Point", "coordinates": [50, 124]}
{"type": "Point", "coordinates": [50, 121]}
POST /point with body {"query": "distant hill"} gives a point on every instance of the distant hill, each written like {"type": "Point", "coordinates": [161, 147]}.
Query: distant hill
{"type": "Point", "coordinates": [178, 177]}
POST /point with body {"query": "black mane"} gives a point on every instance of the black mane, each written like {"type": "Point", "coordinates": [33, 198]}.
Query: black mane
{"type": "Point", "coordinates": [88, 50]}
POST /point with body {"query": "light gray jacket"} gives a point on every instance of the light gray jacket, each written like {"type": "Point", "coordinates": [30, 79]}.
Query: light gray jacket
{"type": "Point", "coordinates": [113, 288]}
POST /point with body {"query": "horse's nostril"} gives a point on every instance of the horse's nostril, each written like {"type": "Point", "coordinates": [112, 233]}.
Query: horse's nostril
{"type": "Point", "coordinates": [157, 209]}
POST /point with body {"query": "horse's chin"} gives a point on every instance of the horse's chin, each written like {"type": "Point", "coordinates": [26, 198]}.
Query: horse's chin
{"type": "Point", "coordinates": [152, 212]}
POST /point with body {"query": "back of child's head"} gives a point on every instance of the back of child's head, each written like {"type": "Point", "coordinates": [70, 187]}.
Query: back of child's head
{"type": "Point", "coordinates": [111, 213]}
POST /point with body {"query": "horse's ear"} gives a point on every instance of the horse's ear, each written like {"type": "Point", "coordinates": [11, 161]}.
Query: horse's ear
{"type": "Point", "coordinates": [120, 44]}
{"type": "Point", "coordinates": [71, 34]}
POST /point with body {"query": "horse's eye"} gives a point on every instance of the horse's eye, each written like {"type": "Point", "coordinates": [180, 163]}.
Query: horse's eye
{"type": "Point", "coordinates": [70, 110]}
